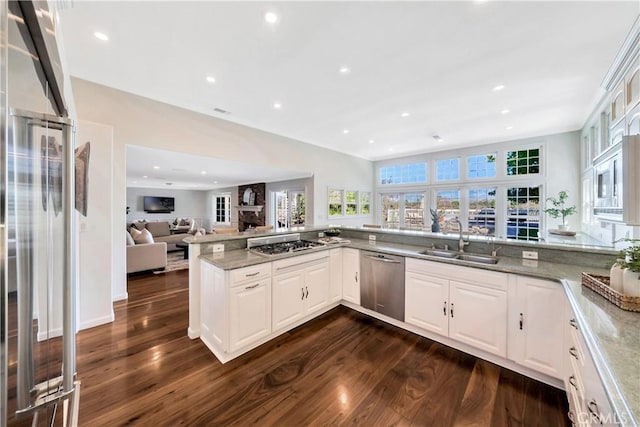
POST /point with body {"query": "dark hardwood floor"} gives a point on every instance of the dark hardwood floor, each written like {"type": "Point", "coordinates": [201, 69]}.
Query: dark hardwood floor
{"type": "Point", "coordinates": [342, 368]}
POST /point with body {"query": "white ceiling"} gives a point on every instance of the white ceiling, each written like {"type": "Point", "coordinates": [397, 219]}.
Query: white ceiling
{"type": "Point", "coordinates": [436, 60]}
{"type": "Point", "coordinates": [151, 168]}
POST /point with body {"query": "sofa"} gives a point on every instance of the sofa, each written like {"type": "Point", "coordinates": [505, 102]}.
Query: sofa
{"type": "Point", "coordinates": [161, 232]}
{"type": "Point", "coordinates": [183, 225]}
{"type": "Point", "coordinates": [146, 256]}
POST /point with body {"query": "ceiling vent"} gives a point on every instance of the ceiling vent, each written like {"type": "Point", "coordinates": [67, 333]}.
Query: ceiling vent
{"type": "Point", "coordinates": [169, 183]}
{"type": "Point", "coordinates": [221, 111]}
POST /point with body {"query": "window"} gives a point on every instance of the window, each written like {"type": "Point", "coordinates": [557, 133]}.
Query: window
{"type": "Point", "coordinates": [365, 203]}
{"type": "Point", "coordinates": [404, 174]}
{"type": "Point", "coordinates": [448, 203]}
{"type": "Point", "coordinates": [390, 210]}
{"type": "Point", "coordinates": [335, 202]}
{"type": "Point", "coordinates": [482, 209]}
{"type": "Point", "coordinates": [447, 169]}
{"type": "Point", "coordinates": [523, 213]}
{"type": "Point", "coordinates": [523, 162]}
{"type": "Point", "coordinates": [222, 208]}
{"type": "Point", "coordinates": [351, 203]}
{"type": "Point", "coordinates": [414, 211]}
{"type": "Point", "coordinates": [482, 166]}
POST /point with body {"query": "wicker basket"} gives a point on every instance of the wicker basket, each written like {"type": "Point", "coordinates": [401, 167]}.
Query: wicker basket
{"type": "Point", "coordinates": [600, 284]}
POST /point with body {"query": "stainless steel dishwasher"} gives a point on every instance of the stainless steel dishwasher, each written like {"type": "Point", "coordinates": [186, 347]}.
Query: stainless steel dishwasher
{"type": "Point", "coordinates": [382, 283]}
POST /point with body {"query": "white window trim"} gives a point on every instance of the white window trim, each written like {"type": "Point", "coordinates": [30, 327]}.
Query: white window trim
{"type": "Point", "coordinates": [214, 204]}
{"type": "Point", "coordinates": [358, 213]}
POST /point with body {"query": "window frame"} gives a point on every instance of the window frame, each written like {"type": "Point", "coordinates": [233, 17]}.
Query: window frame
{"type": "Point", "coordinates": [227, 197]}
{"type": "Point", "coordinates": [343, 211]}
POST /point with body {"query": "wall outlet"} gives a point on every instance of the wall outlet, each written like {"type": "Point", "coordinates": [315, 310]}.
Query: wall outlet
{"type": "Point", "coordinates": [372, 237]}
{"type": "Point", "coordinates": [321, 234]}
{"type": "Point", "coordinates": [530, 254]}
{"type": "Point", "coordinates": [530, 263]}
{"type": "Point", "coordinates": [218, 247]}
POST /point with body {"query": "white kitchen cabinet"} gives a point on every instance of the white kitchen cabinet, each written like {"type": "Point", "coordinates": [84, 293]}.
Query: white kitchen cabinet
{"type": "Point", "coordinates": [299, 289]}
{"type": "Point", "coordinates": [535, 339]}
{"type": "Point", "coordinates": [249, 313]}
{"type": "Point", "coordinates": [351, 275]}
{"type": "Point", "coordinates": [477, 316]}
{"type": "Point", "coordinates": [465, 304]}
{"type": "Point", "coordinates": [235, 307]}
{"type": "Point", "coordinates": [427, 302]}
{"type": "Point", "coordinates": [335, 272]}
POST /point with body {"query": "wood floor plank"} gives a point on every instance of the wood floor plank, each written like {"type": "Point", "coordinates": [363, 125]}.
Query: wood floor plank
{"type": "Point", "coordinates": [479, 397]}
{"type": "Point", "coordinates": [342, 368]}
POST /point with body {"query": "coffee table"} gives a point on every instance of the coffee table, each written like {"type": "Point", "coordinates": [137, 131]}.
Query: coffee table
{"type": "Point", "coordinates": [185, 247]}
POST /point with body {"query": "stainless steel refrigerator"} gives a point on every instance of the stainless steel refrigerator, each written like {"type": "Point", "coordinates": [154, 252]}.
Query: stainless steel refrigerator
{"type": "Point", "coordinates": [37, 231]}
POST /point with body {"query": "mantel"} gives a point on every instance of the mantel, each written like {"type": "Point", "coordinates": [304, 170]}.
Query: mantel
{"type": "Point", "coordinates": [247, 208]}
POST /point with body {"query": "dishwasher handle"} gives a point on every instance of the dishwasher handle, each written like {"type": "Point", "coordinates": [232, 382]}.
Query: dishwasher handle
{"type": "Point", "coordinates": [376, 258]}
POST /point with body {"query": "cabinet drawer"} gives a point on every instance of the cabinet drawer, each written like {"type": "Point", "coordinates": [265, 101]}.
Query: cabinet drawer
{"type": "Point", "coordinates": [476, 276]}
{"type": "Point", "coordinates": [253, 272]}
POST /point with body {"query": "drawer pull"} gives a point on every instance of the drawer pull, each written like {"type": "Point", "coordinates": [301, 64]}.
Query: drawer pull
{"type": "Point", "coordinates": [592, 406]}
{"type": "Point", "coordinates": [572, 381]}
{"type": "Point", "coordinates": [252, 274]}
{"type": "Point", "coordinates": [253, 286]}
{"type": "Point", "coordinates": [573, 323]}
{"type": "Point", "coordinates": [573, 352]}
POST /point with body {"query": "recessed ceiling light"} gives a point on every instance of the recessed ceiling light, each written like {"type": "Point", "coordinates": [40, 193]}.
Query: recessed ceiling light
{"type": "Point", "coordinates": [215, 182]}
{"type": "Point", "coordinates": [509, 127]}
{"type": "Point", "coordinates": [211, 79]}
{"type": "Point", "coordinates": [101, 36]}
{"type": "Point", "coordinates": [145, 176]}
{"type": "Point", "coordinates": [498, 88]}
{"type": "Point", "coordinates": [405, 114]}
{"type": "Point", "coordinates": [271, 17]}
{"type": "Point", "coordinates": [505, 111]}
{"type": "Point", "coordinates": [156, 167]}
{"type": "Point", "coordinates": [203, 172]}
{"type": "Point", "coordinates": [438, 138]}
{"type": "Point", "coordinates": [371, 141]}
{"type": "Point", "coordinates": [390, 148]}
{"type": "Point", "coordinates": [135, 182]}
{"type": "Point", "coordinates": [345, 131]}
{"type": "Point", "coordinates": [277, 105]}
{"type": "Point", "coordinates": [344, 70]}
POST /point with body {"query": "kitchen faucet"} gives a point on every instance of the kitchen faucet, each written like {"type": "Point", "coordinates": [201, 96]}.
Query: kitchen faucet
{"type": "Point", "coordinates": [461, 242]}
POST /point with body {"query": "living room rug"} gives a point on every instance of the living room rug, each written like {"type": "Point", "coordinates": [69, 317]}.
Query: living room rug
{"type": "Point", "coordinates": [175, 261]}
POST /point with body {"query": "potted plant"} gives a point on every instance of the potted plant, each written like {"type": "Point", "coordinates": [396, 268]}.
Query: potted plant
{"type": "Point", "coordinates": [435, 218]}
{"type": "Point", "coordinates": [559, 208]}
{"type": "Point", "coordinates": [629, 260]}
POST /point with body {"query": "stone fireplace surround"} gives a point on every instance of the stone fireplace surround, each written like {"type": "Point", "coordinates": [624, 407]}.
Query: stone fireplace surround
{"type": "Point", "coordinates": [247, 219]}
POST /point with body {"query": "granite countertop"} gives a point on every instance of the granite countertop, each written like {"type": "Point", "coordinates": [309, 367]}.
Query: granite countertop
{"type": "Point", "coordinates": [612, 335]}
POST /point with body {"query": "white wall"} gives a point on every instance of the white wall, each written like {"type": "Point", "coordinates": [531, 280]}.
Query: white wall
{"type": "Point", "coordinates": [188, 203]}
{"type": "Point", "coordinates": [96, 230]}
{"type": "Point", "coordinates": [141, 121]}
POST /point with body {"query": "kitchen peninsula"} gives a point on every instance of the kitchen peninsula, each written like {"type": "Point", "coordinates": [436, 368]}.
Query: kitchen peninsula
{"type": "Point", "coordinates": [568, 318]}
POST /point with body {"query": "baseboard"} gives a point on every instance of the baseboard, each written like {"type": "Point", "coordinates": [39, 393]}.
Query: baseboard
{"type": "Point", "coordinates": [193, 333]}
{"type": "Point", "coordinates": [53, 333]}
{"type": "Point", "coordinates": [97, 321]}
{"type": "Point", "coordinates": [120, 297]}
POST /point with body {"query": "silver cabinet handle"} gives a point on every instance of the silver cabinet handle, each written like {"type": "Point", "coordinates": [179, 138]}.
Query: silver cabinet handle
{"type": "Point", "coordinates": [302, 289]}
{"type": "Point", "coordinates": [307, 289]}
{"type": "Point", "coordinates": [572, 381]}
{"type": "Point", "coordinates": [444, 308]}
{"type": "Point", "coordinates": [375, 258]}
{"type": "Point", "coordinates": [573, 352]}
{"type": "Point", "coordinates": [521, 320]}
{"type": "Point", "coordinates": [253, 286]}
{"type": "Point", "coordinates": [592, 406]}
{"type": "Point", "coordinates": [452, 310]}
{"type": "Point", "coordinates": [573, 323]}
{"type": "Point", "coordinates": [356, 277]}
{"type": "Point", "coordinates": [252, 274]}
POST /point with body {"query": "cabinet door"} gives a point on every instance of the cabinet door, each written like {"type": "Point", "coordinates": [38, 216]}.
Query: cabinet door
{"type": "Point", "coordinates": [288, 296]}
{"type": "Point", "coordinates": [250, 313]}
{"type": "Point", "coordinates": [351, 275]}
{"type": "Point", "coordinates": [335, 271]}
{"type": "Point", "coordinates": [478, 317]}
{"type": "Point", "coordinates": [427, 302]}
{"type": "Point", "coordinates": [316, 286]}
{"type": "Point", "coordinates": [536, 325]}
{"type": "Point", "coordinates": [213, 308]}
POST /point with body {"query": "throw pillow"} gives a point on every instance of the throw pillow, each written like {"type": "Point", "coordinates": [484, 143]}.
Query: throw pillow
{"type": "Point", "coordinates": [143, 236]}
{"type": "Point", "coordinates": [139, 225]}
{"type": "Point", "coordinates": [184, 222]}
{"type": "Point", "coordinates": [130, 241]}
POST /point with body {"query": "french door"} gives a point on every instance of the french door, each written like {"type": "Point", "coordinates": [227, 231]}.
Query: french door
{"type": "Point", "coordinates": [289, 209]}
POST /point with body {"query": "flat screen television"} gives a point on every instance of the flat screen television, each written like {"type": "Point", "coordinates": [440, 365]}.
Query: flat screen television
{"type": "Point", "coordinates": [159, 204]}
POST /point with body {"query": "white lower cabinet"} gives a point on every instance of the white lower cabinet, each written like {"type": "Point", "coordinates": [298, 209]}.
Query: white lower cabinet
{"type": "Point", "coordinates": [536, 308]}
{"type": "Point", "coordinates": [299, 289]}
{"type": "Point", "coordinates": [466, 304]}
{"type": "Point", "coordinates": [351, 275]}
{"type": "Point", "coordinates": [335, 272]}
{"type": "Point", "coordinates": [249, 313]}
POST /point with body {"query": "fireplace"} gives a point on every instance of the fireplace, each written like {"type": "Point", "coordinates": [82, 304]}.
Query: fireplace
{"type": "Point", "coordinates": [251, 215]}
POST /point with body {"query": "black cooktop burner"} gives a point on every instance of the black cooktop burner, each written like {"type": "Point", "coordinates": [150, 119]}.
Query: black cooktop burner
{"type": "Point", "coordinates": [284, 247]}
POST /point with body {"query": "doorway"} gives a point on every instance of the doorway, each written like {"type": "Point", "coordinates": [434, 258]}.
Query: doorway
{"type": "Point", "coordinates": [289, 209]}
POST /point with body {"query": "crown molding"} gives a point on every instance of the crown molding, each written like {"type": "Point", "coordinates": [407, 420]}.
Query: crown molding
{"type": "Point", "coordinates": [627, 53]}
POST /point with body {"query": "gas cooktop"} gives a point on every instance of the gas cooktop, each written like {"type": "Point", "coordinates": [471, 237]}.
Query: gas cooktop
{"type": "Point", "coordinates": [276, 245]}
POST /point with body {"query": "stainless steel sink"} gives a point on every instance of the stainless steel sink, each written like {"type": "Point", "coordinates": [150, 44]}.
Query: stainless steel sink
{"type": "Point", "coordinates": [441, 253]}
{"type": "Point", "coordinates": [483, 259]}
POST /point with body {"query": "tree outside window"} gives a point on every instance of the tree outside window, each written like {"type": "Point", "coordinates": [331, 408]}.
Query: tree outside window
{"type": "Point", "coordinates": [351, 205]}
{"type": "Point", "coordinates": [365, 203]}
{"type": "Point", "coordinates": [335, 202]}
